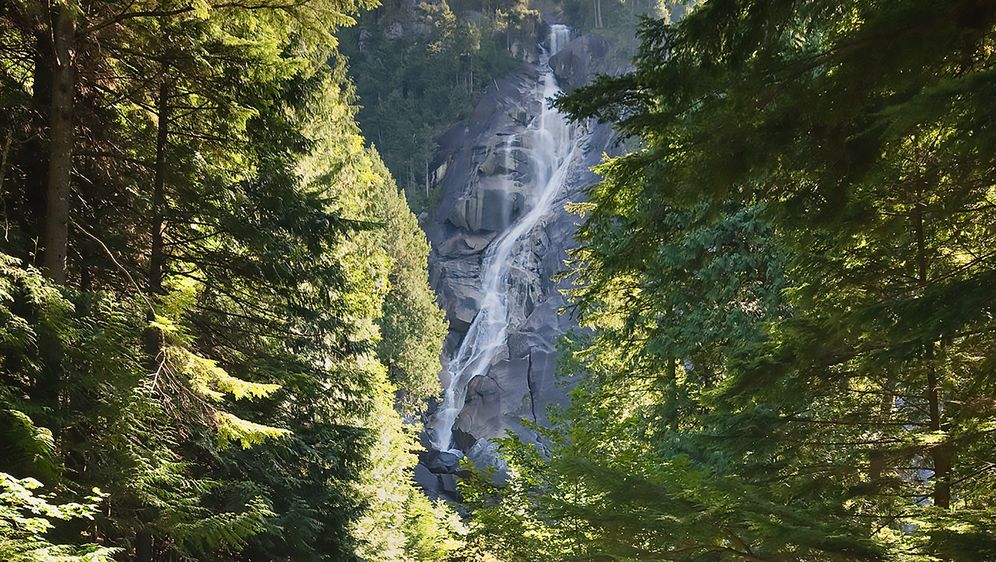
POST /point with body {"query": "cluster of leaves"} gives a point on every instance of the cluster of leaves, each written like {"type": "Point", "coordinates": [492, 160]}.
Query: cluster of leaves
{"type": "Point", "coordinates": [790, 283]}
{"type": "Point", "coordinates": [25, 516]}
{"type": "Point", "coordinates": [211, 293]}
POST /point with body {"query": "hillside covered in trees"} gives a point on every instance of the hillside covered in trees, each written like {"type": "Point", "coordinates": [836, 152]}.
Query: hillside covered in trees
{"type": "Point", "coordinates": [219, 342]}
{"type": "Point", "coordinates": [420, 67]}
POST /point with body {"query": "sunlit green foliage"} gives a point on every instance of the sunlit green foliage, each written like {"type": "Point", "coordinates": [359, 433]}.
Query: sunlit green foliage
{"type": "Point", "coordinates": [26, 516]}
{"type": "Point", "coordinates": [790, 286]}
{"type": "Point", "coordinates": [401, 525]}
{"type": "Point", "coordinates": [209, 355]}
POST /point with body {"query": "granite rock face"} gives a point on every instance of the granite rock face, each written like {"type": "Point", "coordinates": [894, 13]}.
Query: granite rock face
{"type": "Point", "coordinates": [472, 166]}
{"type": "Point", "coordinates": [577, 63]}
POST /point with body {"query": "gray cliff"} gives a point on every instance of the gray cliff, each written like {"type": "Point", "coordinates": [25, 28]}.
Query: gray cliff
{"type": "Point", "coordinates": [482, 170]}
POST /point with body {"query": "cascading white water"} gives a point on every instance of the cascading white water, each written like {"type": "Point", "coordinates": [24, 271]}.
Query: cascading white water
{"type": "Point", "coordinates": [551, 150]}
{"type": "Point", "coordinates": [559, 36]}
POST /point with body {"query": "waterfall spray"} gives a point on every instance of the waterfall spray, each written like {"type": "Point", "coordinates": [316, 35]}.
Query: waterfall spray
{"type": "Point", "coordinates": [553, 147]}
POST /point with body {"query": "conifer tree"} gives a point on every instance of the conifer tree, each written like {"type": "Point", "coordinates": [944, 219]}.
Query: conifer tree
{"type": "Point", "coordinates": [788, 280]}
{"type": "Point", "coordinates": [204, 355]}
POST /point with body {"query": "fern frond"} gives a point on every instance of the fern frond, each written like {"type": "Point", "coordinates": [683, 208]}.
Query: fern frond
{"type": "Point", "coordinates": [25, 443]}
{"type": "Point", "coordinates": [225, 530]}
{"type": "Point", "coordinates": [232, 429]}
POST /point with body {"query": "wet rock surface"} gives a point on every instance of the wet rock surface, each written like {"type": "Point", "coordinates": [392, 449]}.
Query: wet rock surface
{"type": "Point", "coordinates": [580, 61]}
{"type": "Point", "coordinates": [521, 382]}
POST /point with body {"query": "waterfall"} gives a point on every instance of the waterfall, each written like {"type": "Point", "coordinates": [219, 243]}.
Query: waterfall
{"type": "Point", "coordinates": [560, 35]}
{"type": "Point", "coordinates": [552, 147]}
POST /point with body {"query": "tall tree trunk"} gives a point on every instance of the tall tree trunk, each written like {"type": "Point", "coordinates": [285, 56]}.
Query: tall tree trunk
{"type": "Point", "coordinates": [940, 454]}
{"type": "Point", "coordinates": [886, 407]}
{"type": "Point", "coordinates": [144, 547]}
{"type": "Point", "coordinates": [4, 155]}
{"type": "Point", "coordinates": [156, 259]}
{"type": "Point", "coordinates": [49, 174]}
{"type": "Point", "coordinates": [145, 541]}
{"type": "Point", "coordinates": [60, 149]}
{"type": "Point", "coordinates": [672, 392]}
{"type": "Point", "coordinates": [34, 154]}
{"type": "Point", "coordinates": [153, 336]}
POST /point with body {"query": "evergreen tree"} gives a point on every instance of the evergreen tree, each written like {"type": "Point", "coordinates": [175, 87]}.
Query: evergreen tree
{"type": "Point", "coordinates": [789, 282]}
{"type": "Point", "coordinates": [201, 338]}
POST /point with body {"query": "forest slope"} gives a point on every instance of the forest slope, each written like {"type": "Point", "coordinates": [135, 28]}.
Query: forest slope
{"type": "Point", "coordinates": [212, 295]}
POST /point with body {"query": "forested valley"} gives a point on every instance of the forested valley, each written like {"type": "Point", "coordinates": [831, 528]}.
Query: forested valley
{"type": "Point", "coordinates": [497, 280]}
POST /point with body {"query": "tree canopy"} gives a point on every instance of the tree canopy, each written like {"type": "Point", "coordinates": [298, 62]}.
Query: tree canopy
{"type": "Point", "coordinates": [790, 287]}
{"type": "Point", "coordinates": [212, 295]}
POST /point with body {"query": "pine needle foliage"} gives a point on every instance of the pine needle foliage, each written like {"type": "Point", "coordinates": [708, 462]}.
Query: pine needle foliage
{"type": "Point", "coordinates": [195, 260]}
{"type": "Point", "coordinates": [790, 282]}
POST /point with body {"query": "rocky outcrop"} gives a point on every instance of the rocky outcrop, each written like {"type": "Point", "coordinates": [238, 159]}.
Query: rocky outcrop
{"type": "Point", "coordinates": [581, 60]}
{"type": "Point", "coordinates": [473, 166]}
{"type": "Point", "coordinates": [487, 209]}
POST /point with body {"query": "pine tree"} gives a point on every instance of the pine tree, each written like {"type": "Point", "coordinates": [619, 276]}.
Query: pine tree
{"type": "Point", "coordinates": [787, 279]}
{"type": "Point", "coordinates": [205, 353]}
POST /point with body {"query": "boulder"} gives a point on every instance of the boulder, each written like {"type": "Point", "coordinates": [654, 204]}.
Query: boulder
{"type": "Point", "coordinates": [427, 480]}
{"type": "Point", "coordinates": [463, 244]}
{"type": "Point", "coordinates": [491, 397]}
{"type": "Point", "coordinates": [444, 462]}
{"type": "Point", "coordinates": [462, 440]}
{"type": "Point", "coordinates": [576, 64]}
{"type": "Point", "coordinates": [448, 483]}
